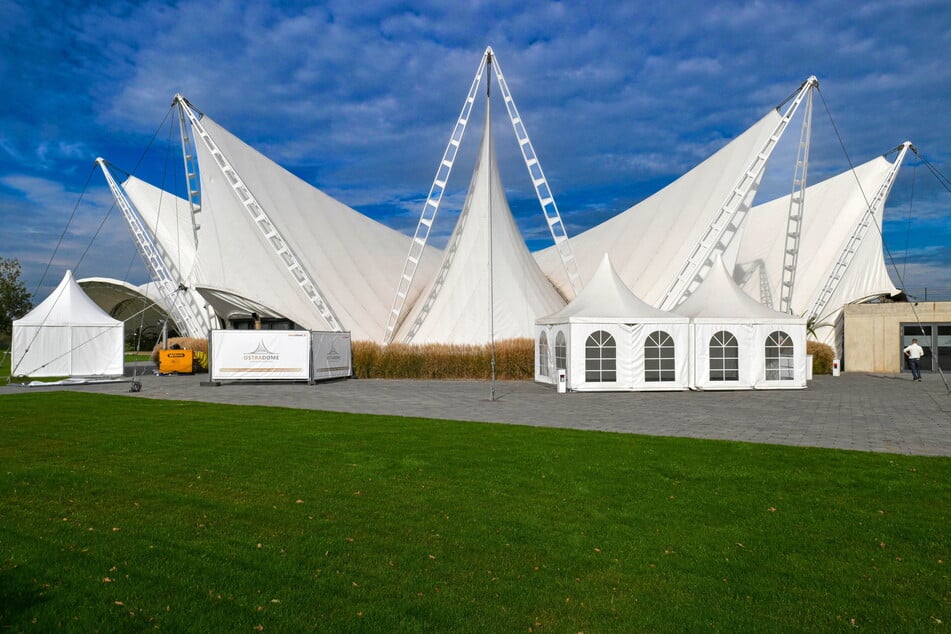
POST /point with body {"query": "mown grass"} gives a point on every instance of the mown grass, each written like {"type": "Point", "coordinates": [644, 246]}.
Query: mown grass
{"type": "Point", "coordinates": [124, 514]}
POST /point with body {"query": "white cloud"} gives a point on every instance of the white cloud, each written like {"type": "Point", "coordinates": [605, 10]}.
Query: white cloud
{"type": "Point", "coordinates": [360, 98]}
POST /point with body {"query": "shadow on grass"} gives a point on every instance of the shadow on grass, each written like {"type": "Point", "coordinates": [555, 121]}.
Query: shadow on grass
{"type": "Point", "coordinates": [19, 594]}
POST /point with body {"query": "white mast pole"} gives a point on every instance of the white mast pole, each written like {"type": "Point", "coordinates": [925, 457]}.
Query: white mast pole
{"type": "Point", "coordinates": [488, 123]}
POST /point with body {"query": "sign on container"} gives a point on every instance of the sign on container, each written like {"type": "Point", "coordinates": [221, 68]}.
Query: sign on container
{"type": "Point", "coordinates": [260, 355]}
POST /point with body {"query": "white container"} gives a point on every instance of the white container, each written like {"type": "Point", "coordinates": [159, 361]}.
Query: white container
{"type": "Point", "coordinates": [835, 367]}
{"type": "Point", "coordinates": [562, 381]}
{"type": "Point", "coordinates": [808, 367]}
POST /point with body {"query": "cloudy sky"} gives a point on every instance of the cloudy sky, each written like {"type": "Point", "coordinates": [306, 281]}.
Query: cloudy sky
{"type": "Point", "coordinates": [359, 98]}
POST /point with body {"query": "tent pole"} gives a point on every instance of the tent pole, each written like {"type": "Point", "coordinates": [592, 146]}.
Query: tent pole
{"type": "Point", "coordinates": [488, 122]}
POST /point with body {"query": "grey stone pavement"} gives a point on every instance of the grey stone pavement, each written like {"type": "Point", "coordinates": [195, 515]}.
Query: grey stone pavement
{"type": "Point", "coordinates": [864, 412]}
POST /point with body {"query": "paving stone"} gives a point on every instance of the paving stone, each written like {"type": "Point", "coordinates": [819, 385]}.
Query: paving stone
{"type": "Point", "coordinates": [865, 412]}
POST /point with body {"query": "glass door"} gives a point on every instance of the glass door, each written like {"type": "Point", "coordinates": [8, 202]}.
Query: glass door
{"type": "Point", "coordinates": [943, 346]}
{"type": "Point", "coordinates": [923, 334]}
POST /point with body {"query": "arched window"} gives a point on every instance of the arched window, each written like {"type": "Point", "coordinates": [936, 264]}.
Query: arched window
{"type": "Point", "coordinates": [659, 357]}
{"type": "Point", "coordinates": [779, 357]}
{"type": "Point", "coordinates": [724, 357]}
{"type": "Point", "coordinates": [600, 354]}
{"type": "Point", "coordinates": [543, 354]}
{"type": "Point", "coordinates": [561, 352]}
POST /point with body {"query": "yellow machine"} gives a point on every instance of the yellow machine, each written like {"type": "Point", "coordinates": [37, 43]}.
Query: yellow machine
{"type": "Point", "coordinates": [176, 362]}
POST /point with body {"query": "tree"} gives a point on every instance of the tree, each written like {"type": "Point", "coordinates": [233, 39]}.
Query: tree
{"type": "Point", "coordinates": [14, 298]}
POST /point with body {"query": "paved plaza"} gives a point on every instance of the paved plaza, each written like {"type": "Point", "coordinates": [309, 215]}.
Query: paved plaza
{"type": "Point", "coordinates": [864, 412]}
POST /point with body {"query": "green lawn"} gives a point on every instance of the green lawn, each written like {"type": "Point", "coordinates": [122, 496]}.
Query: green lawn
{"type": "Point", "coordinates": [124, 514]}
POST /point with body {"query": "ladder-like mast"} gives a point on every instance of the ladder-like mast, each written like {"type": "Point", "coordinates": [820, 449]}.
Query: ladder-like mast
{"type": "Point", "coordinates": [731, 214]}
{"type": "Point", "coordinates": [433, 200]}
{"type": "Point", "coordinates": [192, 182]}
{"type": "Point", "coordinates": [855, 239]}
{"type": "Point", "coordinates": [542, 191]}
{"type": "Point", "coordinates": [182, 305]}
{"type": "Point", "coordinates": [259, 218]}
{"type": "Point", "coordinates": [797, 205]}
{"type": "Point", "coordinates": [431, 207]}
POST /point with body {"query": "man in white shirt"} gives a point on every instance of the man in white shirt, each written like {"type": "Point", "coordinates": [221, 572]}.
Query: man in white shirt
{"type": "Point", "coordinates": [913, 353]}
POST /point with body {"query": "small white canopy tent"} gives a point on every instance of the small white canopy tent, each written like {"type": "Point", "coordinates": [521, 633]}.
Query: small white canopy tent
{"type": "Point", "coordinates": [737, 343]}
{"type": "Point", "coordinates": [67, 335]}
{"type": "Point", "coordinates": [607, 339]}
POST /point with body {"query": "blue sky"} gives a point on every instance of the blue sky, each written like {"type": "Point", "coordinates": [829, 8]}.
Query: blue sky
{"type": "Point", "coordinates": [359, 98]}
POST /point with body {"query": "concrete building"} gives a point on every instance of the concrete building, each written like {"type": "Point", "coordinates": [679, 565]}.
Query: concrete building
{"type": "Point", "coordinates": [875, 334]}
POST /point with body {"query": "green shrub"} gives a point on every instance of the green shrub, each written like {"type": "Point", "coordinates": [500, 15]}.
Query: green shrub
{"type": "Point", "coordinates": [822, 356]}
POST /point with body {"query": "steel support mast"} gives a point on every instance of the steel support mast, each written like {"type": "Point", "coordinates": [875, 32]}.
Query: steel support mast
{"type": "Point", "coordinates": [431, 207]}
{"type": "Point", "coordinates": [797, 205]}
{"type": "Point", "coordinates": [731, 214]}
{"type": "Point", "coordinates": [192, 182]}
{"type": "Point", "coordinates": [183, 308]}
{"type": "Point", "coordinates": [433, 200]}
{"type": "Point", "coordinates": [836, 273]}
{"type": "Point", "coordinates": [268, 230]}
{"type": "Point", "coordinates": [542, 191]}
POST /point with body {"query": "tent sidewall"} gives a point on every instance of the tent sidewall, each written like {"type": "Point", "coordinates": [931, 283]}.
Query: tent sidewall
{"type": "Point", "coordinates": [751, 342]}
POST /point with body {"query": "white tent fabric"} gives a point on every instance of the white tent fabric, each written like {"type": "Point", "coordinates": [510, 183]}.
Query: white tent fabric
{"type": "Point", "coordinates": [142, 306]}
{"type": "Point", "coordinates": [169, 219]}
{"type": "Point", "coordinates": [67, 334]}
{"type": "Point", "coordinates": [832, 209]}
{"type": "Point", "coordinates": [465, 303]}
{"type": "Point", "coordinates": [355, 261]}
{"type": "Point", "coordinates": [651, 241]}
{"type": "Point", "coordinates": [730, 333]}
{"type": "Point", "coordinates": [607, 305]}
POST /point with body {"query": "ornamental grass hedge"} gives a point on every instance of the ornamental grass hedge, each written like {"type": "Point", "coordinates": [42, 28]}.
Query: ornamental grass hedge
{"type": "Point", "coordinates": [822, 356]}
{"type": "Point", "coordinates": [514, 360]}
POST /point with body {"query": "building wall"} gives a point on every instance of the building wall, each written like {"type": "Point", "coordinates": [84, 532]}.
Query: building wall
{"type": "Point", "coordinates": [872, 334]}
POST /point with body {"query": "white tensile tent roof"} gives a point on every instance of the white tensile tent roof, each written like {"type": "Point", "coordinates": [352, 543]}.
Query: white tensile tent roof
{"type": "Point", "coordinates": [832, 209]}
{"type": "Point", "coordinates": [168, 219]}
{"type": "Point", "coordinates": [651, 241]}
{"type": "Point", "coordinates": [482, 272]}
{"type": "Point", "coordinates": [67, 334]}
{"type": "Point", "coordinates": [142, 306]}
{"type": "Point", "coordinates": [354, 260]}
{"type": "Point", "coordinates": [718, 304]}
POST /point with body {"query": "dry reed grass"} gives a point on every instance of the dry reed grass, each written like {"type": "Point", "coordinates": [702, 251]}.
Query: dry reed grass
{"type": "Point", "coordinates": [185, 343]}
{"type": "Point", "coordinates": [514, 360]}
{"type": "Point", "coordinates": [822, 356]}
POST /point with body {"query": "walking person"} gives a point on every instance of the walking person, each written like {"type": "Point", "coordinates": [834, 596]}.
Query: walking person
{"type": "Point", "coordinates": [913, 353]}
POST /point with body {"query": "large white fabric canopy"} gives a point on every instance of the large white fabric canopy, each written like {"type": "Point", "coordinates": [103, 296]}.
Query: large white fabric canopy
{"type": "Point", "coordinates": [832, 210]}
{"type": "Point", "coordinates": [606, 338]}
{"type": "Point", "coordinates": [488, 285]}
{"type": "Point", "coordinates": [737, 343]}
{"type": "Point", "coordinates": [67, 334]}
{"type": "Point", "coordinates": [355, 261]}
{"type": "Point", "coordinates": [650, 242]}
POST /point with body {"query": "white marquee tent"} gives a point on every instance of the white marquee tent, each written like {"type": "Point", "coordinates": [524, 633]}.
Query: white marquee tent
{"type": "Point", "coordinates": [609, 340]}
{"type": "Point", "coordinates": [737, 343]}
{"type": "Point", "coordinates": [67, 334]}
